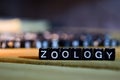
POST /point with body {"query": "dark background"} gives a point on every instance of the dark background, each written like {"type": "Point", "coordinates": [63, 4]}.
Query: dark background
{"type": "Point", "coordinates": [84, 13]}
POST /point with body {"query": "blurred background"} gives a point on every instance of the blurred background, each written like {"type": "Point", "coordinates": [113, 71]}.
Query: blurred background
{"type": "Point", "coordinates": [59, 23]}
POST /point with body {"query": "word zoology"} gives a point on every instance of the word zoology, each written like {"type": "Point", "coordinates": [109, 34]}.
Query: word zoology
{"type": "Point", "coordinates": [77, 54]}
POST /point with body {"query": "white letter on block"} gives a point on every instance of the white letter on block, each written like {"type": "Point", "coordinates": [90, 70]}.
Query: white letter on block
{"type": "Point", "coordinates": [75, 56]}
{"type": "Point", "coordinates": [66, 55]}
{"type": "Point", "coordinates": [96, 54]}
{"type": "Point", "coordinates": [43, 55]}
{"type": "Point", "coordinates": [54, 57]}
{"type": "Point", "coordinates": [86, 53]}
{"type": "Point", "coordinates": [109, 54]}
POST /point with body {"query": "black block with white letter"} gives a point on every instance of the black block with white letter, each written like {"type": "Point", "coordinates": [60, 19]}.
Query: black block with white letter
{"type": "Point", "coordinates": [87, 54]}
{"type": "Point", "coordinates": [98, 54]}
{"type": "Point", "coordinates": [65, 54]}
{"type": "Point", "coordinates": [54, 54]}
{"type": "Point", "coordinates": [44, 54]}
{"type": "Point", "coordinates": [109, 54]}
{"type": "Point", "coordinates": [76, 54]}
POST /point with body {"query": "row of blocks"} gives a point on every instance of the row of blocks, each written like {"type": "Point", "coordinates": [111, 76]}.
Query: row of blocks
{"type": "Point", "coordinates": [77, 54]}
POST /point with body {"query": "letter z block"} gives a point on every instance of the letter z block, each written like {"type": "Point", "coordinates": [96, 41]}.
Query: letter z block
{"type": "Point", "coordinates": [43, 54]}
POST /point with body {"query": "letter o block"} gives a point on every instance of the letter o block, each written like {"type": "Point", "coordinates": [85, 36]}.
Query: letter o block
{"type": "Point", "coordinates": [87, 54]}
{"type": "Point", "coordinates": [65, 54]}
{"type": "Point", "coordinates": [54, 54]}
